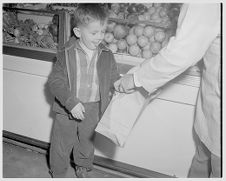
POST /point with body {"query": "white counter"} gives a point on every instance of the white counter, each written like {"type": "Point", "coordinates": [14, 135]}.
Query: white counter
{"type": "Point", "coordinates": [161, 141]}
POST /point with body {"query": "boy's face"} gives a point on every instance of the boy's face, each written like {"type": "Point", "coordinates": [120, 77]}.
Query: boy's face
{"type": "Point", "coordinates": [91, 34]}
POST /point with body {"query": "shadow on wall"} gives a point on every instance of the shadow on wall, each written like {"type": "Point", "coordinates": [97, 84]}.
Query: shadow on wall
{"type": "Point", "coordinates": [49, 97]}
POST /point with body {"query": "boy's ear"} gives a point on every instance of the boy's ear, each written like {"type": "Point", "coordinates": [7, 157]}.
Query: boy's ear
{"type": "Point", "coordinates": [77, 32]}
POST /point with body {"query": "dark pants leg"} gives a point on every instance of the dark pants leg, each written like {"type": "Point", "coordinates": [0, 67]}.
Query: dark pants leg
{"type": "Point", "coordinates": [204, 163]}
{"type": "Point", "coordinates": [84, 154]}
{"type": "Point", "coordinates": [215, 166]}
{"type": "Point", "coordinates": [63, 139]}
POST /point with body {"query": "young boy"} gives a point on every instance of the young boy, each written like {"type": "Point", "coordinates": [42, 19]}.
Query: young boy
{"type": "Point", "coordinates": [82, 83]}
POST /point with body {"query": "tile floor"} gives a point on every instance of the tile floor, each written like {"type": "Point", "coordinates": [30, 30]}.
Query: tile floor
{"type": "Point", "coordinates": [19, 162]}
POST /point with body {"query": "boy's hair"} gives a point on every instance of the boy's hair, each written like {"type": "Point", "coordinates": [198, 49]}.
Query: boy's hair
{"type": "Point", "coordinates": [88, 12]}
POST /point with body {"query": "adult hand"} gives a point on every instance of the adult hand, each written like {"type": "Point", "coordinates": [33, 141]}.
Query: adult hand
{"type": "Point", "coordinates": [77, 111]}
{"type": "Point", "coordinates": [125, 84]}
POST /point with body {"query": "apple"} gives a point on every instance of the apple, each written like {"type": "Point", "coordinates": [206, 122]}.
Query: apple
{"type": "Point", "coordinates": [121, 15]}
{"type": "Point", "coordinates": [148, 31]}
{"type": "Point", "coordinates": [166, 21]}
{"type": "Point", "coordinates": [141, 8]}
{"type": "Point", "coordinates": [108, 37]}
{"type": "Point", "coordinates": [112, 14]}
{"type": "Point", "coordinates": [160, 36]}
{"type": "Point", "coordinates": [132, 17]}
{"type": "Point", "coordinates": [151, 10]}
{"type": "Point", "coordinates": [138, 30]}
{"type": "Point", "coordinates": [147, 47]}
{"type": "Point", "coordinates": [115, 7]}
{"type": "Point", "coordinates": [132, 8]}
{"type": "Point", "coordinates": [147, 53]}
{"type": "Point", "coordinates": [113, 47]}
{"type": "Point", "coordinates": [158, 9]}
{"type": "Point", "coordinates": [142, 41]}
{"type": "Point", "coordinates": [134, 50]}
{"type": "Point", "coordinates": [120, 31]}
{"type": "Point", "coordinates": [131, 39]}
{"type": "Point", "coordinates": [156, 18]}
{"type": "Point", "coordinates": [147, 16]}
{"type": "Point", "coordinates": [141, 17]}
{"type": "Point", "coordinates": [111, 26]}
{"type": "Point", "coordinates": [163, 12]}
{"type": "Point", "coordinates": [122, 45]}
{"type": "Point", "coordinates": [155, 47]}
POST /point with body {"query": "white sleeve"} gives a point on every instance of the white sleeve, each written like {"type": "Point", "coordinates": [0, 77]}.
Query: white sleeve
{"type": "Point", "coordinates": [198, 25]}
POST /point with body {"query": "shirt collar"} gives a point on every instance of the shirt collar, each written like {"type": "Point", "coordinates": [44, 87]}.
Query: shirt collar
{"type": "Point", "coordinates": [100, 48]}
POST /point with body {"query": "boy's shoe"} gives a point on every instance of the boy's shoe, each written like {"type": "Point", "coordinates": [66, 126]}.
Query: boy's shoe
{"type": "Point", "coordinates": [81, 172]}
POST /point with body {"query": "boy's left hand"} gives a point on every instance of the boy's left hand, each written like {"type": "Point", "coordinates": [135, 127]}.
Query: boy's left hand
{"type": "Point", "coordinates": [125, 84]}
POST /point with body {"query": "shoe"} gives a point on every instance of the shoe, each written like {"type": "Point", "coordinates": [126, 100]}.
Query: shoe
{"type": "Point", "coordinates": [82, 172]}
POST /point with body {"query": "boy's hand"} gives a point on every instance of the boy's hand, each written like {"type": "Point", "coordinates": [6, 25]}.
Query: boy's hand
{"type": "Point", "coordinates": [125, 84]}
{"type": "Point", "coordinates": [77, 111]}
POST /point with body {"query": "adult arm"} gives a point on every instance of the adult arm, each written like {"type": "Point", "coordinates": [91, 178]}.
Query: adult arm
{"type": "Point", "coordinates": [198, 25]}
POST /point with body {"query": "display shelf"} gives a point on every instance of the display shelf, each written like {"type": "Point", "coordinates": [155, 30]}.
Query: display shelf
{"type": "Point", "coordinates": [29, 33]}
{"type": "Point", "coordinates": [135, 22]}
{"type": "Point", "coordinates": [29, 52]}
{"type": "Point", "coordinates": [140, 33]}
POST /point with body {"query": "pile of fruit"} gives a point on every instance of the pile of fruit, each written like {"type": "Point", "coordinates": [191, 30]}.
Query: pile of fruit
{"type": "Point", "coordinates": [26, 33]}
{"type": "Point", "coordinates": [140, 39]}
{"type": "Point", "coordinates": [155, 13]}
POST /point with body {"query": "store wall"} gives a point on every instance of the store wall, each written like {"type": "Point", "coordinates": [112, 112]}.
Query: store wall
{"type": "Point", "coordinates": [161, 141]}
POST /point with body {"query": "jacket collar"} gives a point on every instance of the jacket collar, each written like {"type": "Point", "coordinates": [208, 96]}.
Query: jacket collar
{"type": "Point", "coordinates": [74, 43]}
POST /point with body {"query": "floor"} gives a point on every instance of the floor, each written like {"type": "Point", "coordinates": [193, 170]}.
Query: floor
{"type": "Point", "coordinates": [20, 162]}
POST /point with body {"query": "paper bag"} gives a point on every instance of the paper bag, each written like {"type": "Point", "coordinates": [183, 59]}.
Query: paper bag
{"type": "Point", "coordinates": [121, 114]}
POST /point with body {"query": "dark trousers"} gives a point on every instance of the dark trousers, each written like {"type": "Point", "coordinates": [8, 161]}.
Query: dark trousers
{"type": "Point", "coordinates": [204, 163]}
{"type": "Point", "coordinates": [73, 135]}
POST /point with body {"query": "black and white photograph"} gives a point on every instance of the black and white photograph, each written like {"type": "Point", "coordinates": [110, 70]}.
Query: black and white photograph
{"type": "Point", "coordinates": [98, 89]}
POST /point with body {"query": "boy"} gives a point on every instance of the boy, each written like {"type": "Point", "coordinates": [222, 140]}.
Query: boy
{"type": "Point", "coordinates": [82, 83]}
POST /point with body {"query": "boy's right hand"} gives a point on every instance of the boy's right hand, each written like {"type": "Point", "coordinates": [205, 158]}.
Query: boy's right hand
{"type": "Point", "coordinates": [77, 111]}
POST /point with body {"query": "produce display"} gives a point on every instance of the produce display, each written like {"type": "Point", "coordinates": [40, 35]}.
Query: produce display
{"type": "Point", "coordinates": [140, 30]}
{"type": "Point", "coordinates": [136, 29]}
{"type": "Point", "coordinates": [27, 32]}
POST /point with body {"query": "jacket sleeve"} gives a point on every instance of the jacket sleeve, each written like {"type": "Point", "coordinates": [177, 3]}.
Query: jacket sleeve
{"type": "Point", "coordinates": [198, 26]}
{"type": "Point", "coordinates": [58, 83]}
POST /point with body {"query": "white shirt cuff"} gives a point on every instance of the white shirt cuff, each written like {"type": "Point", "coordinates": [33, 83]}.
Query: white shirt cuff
{"type": "Point", "coordinates": [136, 82]}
